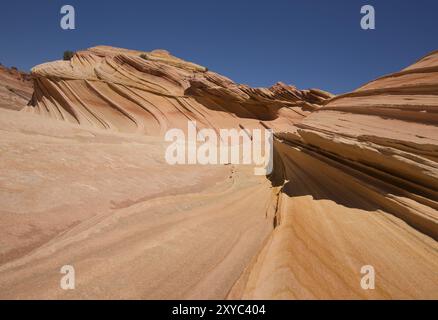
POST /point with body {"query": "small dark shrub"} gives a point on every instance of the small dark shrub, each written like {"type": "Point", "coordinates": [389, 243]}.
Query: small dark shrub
{"type": "Point", "coordinates": [68, 55]}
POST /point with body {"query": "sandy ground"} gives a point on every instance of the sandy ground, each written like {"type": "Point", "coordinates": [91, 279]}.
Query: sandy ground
{"type": "Point", "coordinates": [131, 225]}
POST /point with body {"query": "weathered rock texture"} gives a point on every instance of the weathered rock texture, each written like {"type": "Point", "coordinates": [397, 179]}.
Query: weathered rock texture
{"type": "Point", "coordinates": [354, 184]}
{"type": "Point", "coordinates": [134, 91]}
{"type": "Point", "coordinates": [359, 184]}
{"type": "Point", "coordinates": [15, 88]}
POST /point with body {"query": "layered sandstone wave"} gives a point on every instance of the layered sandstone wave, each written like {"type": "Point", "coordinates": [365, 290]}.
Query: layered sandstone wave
{"type": "Point", "coordinates": [150, 92]}
{"type": "Point", "coordinates": [15, 88]}
{"type": "Point", "coordinates": [359, 187]}
{"type": "Point", "coordinates": [386, 130]}
{"type": "Point", "coordinates": [86, 184]}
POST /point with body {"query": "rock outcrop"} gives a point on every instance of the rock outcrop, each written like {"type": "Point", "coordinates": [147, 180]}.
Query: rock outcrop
{"type": "Point", "coordinates": [15, 88]}
{"type": "Point", "coordinates": [354, 185]}
{"type": "Point", "coordinates": [359, 187]}
{"type": "Point", "coordinates": [388, 131]}
{"type": "Point", "coordinates": [150, 92]}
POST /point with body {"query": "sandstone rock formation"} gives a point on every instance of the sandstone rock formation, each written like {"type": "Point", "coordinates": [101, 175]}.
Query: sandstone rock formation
{"type": "Point", "coordinates": [359, 184]}
{"type": "Point", "coordinates": [15, 88]}
{"type": "Point", "coordinates": [134, 91]}
{"type": "Point", "coordinates": [354, 184]}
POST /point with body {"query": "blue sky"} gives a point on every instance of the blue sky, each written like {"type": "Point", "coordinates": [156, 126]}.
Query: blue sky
{"type": "Point", "coordinates": [308, 43]}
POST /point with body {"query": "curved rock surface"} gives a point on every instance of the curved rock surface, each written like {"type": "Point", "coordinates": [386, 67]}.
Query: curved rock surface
{"type": "Point", "coordinates": [150, 92]}
{"type": "Point", "coordinates": [358, 186]}
{"type": "Point", "coordinates": [354, 184]}
{"type": "Point", "coordinates": [15, 88]}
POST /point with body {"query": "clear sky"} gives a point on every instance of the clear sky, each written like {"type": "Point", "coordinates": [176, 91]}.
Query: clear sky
{"type": "Point", "coordinates": [308, 43]}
